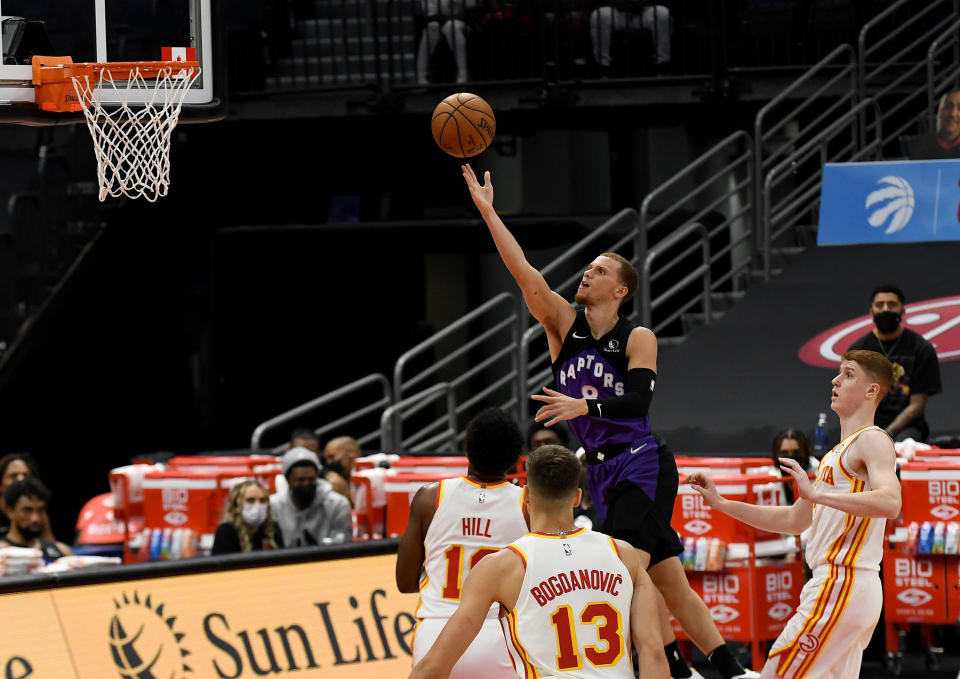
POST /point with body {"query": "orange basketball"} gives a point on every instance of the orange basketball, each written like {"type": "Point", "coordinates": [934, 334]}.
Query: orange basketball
{"type": "Point", "coordinates": [463, 125]}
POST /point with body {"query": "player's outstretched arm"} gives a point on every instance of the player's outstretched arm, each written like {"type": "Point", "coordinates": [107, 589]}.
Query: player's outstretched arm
{"type": "Point", "coordinates": [873, 452]}
{"type": "Point", "coordinates": [410, 552]}
{"type": "Point", "coordinates": [551, 310]}
{"type": "Point", "coordinates": [490, 581]}
{"type": "Point", "coordinates": [644, 621]}
{"type": "Point", "coordinates": [792, 520]}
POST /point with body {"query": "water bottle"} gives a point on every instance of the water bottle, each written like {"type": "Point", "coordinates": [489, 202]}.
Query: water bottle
{"type": "Point", "coordinates": [939, 538]}
{"type": "Point", "coordinates": [953, 538]}
{"type": "Point", "coordinates": [155, 538]}
{"type": "Point", "coordinates": [913, 537]}
{"type": "Point", "coordinates": [926, 538]}
{"type": "Point", "coordinates": [703, 548]}
{"type": "Point", "coordinates": [820, 436]}
{"type": "Point", "coordinates": [689, 556]}
{"type": "Point", "coordinates": [715, 555]}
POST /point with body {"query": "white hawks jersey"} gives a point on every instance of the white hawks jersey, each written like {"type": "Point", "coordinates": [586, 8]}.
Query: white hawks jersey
{"type": "Point", "coordinates": [472, 520]}
{"type": "Point", "coordinates": [836, 538]}
{"type": "Point", "coordinates": [572, 617]}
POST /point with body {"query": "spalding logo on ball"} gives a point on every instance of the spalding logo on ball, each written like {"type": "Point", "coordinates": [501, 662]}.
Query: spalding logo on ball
{"type": "Point", "coordinates": [463, 125]}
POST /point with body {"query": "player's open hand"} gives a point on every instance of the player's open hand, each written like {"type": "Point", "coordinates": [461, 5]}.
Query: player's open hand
{"type": "Point", "coordinates": [482, 194]}
{"type": "Point", "coordinates": [558, 407]}
{"type": "Point", "coordinates": [704, 485]}
{"type": "Point", "coordinates": [799, 474]}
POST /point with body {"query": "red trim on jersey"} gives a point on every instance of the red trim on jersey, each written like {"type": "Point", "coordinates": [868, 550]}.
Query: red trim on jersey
{"type": "Point", "coordinates": [571, 534]}
{"type": "Point", "coordinates": [516, 550]}
{"type": "Point", "coordinates": [484, 484]}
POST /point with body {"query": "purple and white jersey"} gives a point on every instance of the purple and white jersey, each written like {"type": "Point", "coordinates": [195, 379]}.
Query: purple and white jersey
{"type": "Point", "coordinates": [597, 369]}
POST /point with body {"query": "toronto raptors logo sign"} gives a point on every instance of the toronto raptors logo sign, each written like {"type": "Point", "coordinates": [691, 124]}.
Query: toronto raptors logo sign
{"type": "Point", "coordinates": [938, 320]}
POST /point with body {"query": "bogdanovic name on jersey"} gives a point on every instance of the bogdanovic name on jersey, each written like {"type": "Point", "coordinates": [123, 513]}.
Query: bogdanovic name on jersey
{"type": "Point", "coordinates": [594, 367]}
{"type": "Point", "coordinates": [561, 583]}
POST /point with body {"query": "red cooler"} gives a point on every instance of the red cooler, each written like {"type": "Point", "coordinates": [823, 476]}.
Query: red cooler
{"type": "Point", "coordinates": [931, 491]}
{"type": "Point", "coordinates": [692, 517]}
{"type": "Point", "coordinates": [187, 498]}
{"type": "Point", "coordinates": [400, 489]}
{"type": "Point", "coordinates": [445, 465]}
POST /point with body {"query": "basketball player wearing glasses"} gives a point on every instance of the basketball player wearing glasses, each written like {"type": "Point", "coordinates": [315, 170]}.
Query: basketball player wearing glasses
{"type": "Point", "coordinates": [605, 371]}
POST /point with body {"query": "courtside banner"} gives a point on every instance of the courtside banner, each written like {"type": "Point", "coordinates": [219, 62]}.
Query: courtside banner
{"type": "Point", "coordinates": [331, 619]}
{"type": "Point", "coordinates": [890, 202]}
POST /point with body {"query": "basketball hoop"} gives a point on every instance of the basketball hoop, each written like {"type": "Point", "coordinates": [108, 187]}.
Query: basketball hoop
{"type": "Point", "coordinates": [131, 130]}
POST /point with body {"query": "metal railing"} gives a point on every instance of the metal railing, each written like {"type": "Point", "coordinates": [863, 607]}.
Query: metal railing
{"type": "Point", "coordinates": [702, 272]}
{"type": "Point", "coordinates": [489, 353]}
{"type": "Point", "coordinates": [800, 112]}
{"type": "Point", "coordinates": [838, 142]}
{"type": "Point", "coordinates": [336, 396]}
{"type": "Point", "coordinates": [943, 68]}
{"type": "Point", "coordinates": [892, 51]}
{"type": "Point", "coordinates": [376, 44]}
{"type": "Point", "coordinates": [721, 181]}
{"type": "Point", "coordinates": [395, 415]}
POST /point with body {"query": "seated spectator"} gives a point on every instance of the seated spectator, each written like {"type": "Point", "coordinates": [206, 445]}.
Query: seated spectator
{"type": "Point", "coordinates": [915, 364]}
{"type": "Point", "coordinates": [945, 142]}
{"type": "Point", "coordinates": [306, 438]}
{"type": "Point", "coordinates": [340, 454]}
{"type": "Point", "coordinates": [540, 434]}
{"type": "Point", "coordinates": [309, 512]}
{"type": "Point", "coordinates": [445, 24]}
{"type": "Point", "coordinates": [16, 467]}
{"type": "Point", "coordinates": [794, 444]}
{"type": "Point", "coordinates": [248, 523]}
{"type": "Point", "coordinates": [629, 18]}
{"type": "Point", "coordinates": [26, 509]}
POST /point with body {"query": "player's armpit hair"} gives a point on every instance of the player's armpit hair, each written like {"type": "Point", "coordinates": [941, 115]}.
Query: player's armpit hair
{"type": "Point", "coordinates": [635, 402]}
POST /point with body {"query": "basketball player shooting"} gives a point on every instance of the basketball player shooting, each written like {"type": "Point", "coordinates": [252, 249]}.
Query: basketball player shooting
{"type": "Point", "coordinates": [569, 595]}
{"type": "Point", "coordinates": [855, 491]}
{"type": "Point", "coordinates": [605, 372]}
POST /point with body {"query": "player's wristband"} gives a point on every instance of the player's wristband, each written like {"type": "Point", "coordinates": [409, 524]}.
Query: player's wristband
{"type": "Point", "coordinates": [634, 403]}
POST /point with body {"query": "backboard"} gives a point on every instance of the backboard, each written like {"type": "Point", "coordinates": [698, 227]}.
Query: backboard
{"type": "Point", "coordinates": [99, 31]}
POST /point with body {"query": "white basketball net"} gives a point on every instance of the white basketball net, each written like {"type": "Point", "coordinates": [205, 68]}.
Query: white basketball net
{"type": "Point", "coordinates": [132, 138]}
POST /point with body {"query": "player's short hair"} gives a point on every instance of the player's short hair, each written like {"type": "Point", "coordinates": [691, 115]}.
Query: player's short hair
{"type": "Point", "coordinates": [553, 472]}
{"type": "Point", "coordinates": [876, 365]}
{"type": "Point", "coordinates": [628, 274]}
{"type": "Point", "coordinates": [28, 487]}
{"type": "Point", "coordinates": [493, 442]}
{"type": "Point", "coordinates": [304, 434]}
{"type": "Point", "coordinates": [888, 287]}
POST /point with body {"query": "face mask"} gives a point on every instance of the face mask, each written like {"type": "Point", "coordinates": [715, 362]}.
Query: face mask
{"type": "Point", "coordinates": [254, 515]}
{"type": "Point", "coordinates": [336, 466]}
{"type": "Point", "coordinates": [887, 321]}
{"type": "Point", "coordinates": [28, 533]}
{"type": "Point", "coordinates": [304, 495]}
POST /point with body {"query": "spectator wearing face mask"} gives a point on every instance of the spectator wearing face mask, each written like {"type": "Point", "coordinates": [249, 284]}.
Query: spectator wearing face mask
{"type": "Point", "coordinates": [309, 512]}
{"type": "Point", "coordinates": [248, 523]}
{"type": "Point", "coordinates": [915, 366]}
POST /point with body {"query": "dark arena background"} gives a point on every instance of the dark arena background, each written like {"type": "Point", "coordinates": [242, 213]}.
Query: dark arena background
{"type": "Point", "coordinates": [314, 235]}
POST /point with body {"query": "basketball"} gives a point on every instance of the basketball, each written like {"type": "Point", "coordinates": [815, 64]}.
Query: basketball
{"type": "Point", "coordinates": [463, 125]}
